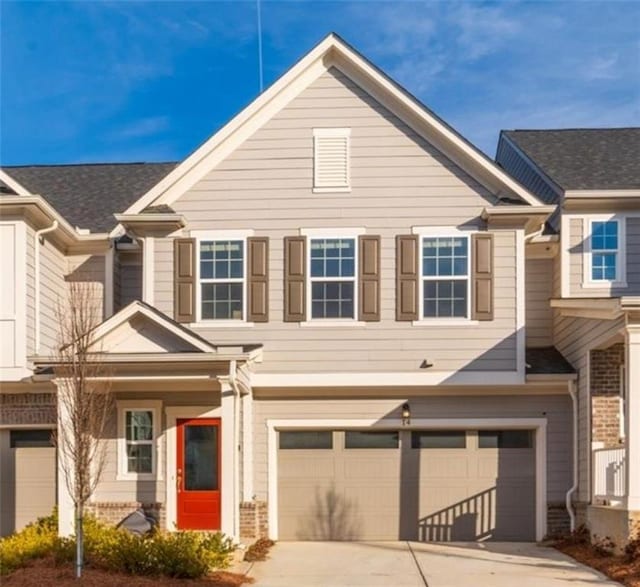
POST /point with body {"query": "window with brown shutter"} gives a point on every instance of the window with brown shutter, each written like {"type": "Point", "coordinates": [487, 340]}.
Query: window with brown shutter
{"type": "Point", "coordinates": [295, 262]}
{"type": "Point", "coordinates": [369, 279]}
{"type": "Point", "coordinates": [482, 277]}
{"type": "Point", "coordinates": [407, 277]}
{"type": "Point", "coordinates": [184, 275]}
{"type": "Point", "coordinates": [258, 279]}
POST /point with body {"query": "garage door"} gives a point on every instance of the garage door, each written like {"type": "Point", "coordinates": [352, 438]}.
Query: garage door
{"type": "Point", "coordinates": [28, 488]}
{"type": "Point", "coordinates": [450, 485]}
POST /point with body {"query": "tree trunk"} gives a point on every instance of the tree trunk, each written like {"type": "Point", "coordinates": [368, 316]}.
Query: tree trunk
{"type": "Point", "coordinates": [79, 541]}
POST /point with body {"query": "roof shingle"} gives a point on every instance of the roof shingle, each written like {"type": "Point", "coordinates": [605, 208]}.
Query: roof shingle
{"type": "Point", "coordinates": [586, 158]}
{"type": "Point", "coordinates": [88, 195]}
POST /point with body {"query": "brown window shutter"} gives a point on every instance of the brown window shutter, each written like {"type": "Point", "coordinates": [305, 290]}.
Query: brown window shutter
{"type": "Point", "coordinates": [258, 279]}
{"type": "Point", "coordinates": [295, 274]}
{"type": "Point", "coordinates": [407, 255]}
{"type": "Point", "coordinates": [369, 279]}
{"type": "Point", "coordinates": [482, 277]}
{"type": "Point", "coordinates": [184, 279]}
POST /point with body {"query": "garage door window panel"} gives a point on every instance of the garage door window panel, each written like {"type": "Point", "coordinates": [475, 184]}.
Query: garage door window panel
{"type": "Point", "coordinates": [30, 438]}
{"type": "Point", "coordinates": [505, 439]}
{"type": "Point", "coordinates": [305, 440]}
{"type": "Point", "coordinates": [363, 439]}
{"type": "Point", "coordinates": [439, 439]}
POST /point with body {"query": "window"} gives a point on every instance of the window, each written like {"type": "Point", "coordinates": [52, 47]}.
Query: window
{"type": "Point", "coordinates": [605, 250]}
{"type": "Point", "coordinates": [439, 439]}
{"type": "Point", "coordinates": [30, 438]}
{"type": "Point", "coordinates": [505, 439]}
{"type": "Point", "coordinates": [222, 275]}
{"type": "Point", "coordinates": [138, 432]}
{"type": "Point", "coordinates": [357, 439]}
{"type": "Point", "coordinates": [331, 159]}
{"type": "Point", "coordinates": [445, 277]}
{"type": "Point", "coordinates": [307, 439]}
{"type": "Point", "coordinates": [333, 277]}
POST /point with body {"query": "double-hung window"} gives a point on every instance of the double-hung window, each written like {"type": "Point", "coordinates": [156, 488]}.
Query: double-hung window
{"type": "Point", "coordinates": [445, 276]}
{"type": "Point", "coordinates": [605, 250]}
{"type": "Point", "coordinates": [138, 431]}
{"type": "Point", "coordinates": [222, 276]}
{"type": "Point", "coordinates": [332, 277]}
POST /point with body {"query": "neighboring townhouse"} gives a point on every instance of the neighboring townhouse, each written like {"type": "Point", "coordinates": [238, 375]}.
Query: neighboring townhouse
{"type": "Point", "coordinates": [331, 321]}
{"type": "Point", "coordinates": [593, 176]}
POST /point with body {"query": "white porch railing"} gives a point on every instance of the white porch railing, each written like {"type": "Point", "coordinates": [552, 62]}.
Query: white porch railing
{"type": "Point", "coordinates": [609, 474]}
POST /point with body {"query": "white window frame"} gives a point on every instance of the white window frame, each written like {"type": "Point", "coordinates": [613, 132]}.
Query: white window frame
{"type": "Point", "coordinates": [222, 235]}
{"type": "Point", "coordinates": [331, 133]}
{"type": "Point", "coordinates": [443, 232]}
{"type": "Point", "coordinates": [155, 407]}
{"type": "Point", "coordinates": [621, 253]}
{"type": "Point", "coordinates": [314, 234]}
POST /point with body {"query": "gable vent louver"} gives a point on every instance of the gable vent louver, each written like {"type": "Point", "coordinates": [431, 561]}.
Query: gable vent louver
{"type": "Point", "coordinates": [331, 159]}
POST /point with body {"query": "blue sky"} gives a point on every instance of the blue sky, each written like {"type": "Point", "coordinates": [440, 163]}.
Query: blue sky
{"type": "Point", "coordinates": [150, 81]}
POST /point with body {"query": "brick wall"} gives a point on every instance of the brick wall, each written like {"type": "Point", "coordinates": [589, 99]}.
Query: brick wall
{"type": "Point", "coordinates": [27, 408]}
{"type": "Point", "coordinates": [605, 384]}
{"type": "Point", "coordinates": [558, 522]}
{"type": "Point", "coordinates": [114, 512]}
{"type": "Point", "coordinates": [253, 519]}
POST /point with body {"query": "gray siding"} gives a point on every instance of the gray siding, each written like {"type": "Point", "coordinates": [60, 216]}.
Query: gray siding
{"type": "Point", "coordinates": [556, 408]}
{"type": "Point", "coordinates": [574, 337]}
{"type": "Point", "coordinates": [520, 169]}
{"type": "Point", "coordinates": [398, 180]}
{"type": "Point", "coordinates": [576, 265]}
{"type": "Point", "coordinates": [130, 282]}
{"type": "Point", "coordinates": [539, 289]}
{"type": "Point", "coordinates": [90, 270]}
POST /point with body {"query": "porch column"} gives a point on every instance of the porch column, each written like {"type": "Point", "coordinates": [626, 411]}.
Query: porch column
{"type": "Point", "coordinates": [229, 506]}
{"type": "Point", "coordinates": [632, 414]}
{"type": "Point", "coordinates": [66, 514]}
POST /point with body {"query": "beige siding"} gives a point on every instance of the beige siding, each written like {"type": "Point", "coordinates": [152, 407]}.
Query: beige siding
{"type": "Point", "coordinates": [576, 265]}
{"type": "Point", "coordinates": [556, 408]}
{"type": "Point", "coordinates": [52, 292]}
{"type": "Point", "coordinates": [90, 270]}
{"type": "Point", "coordinates": [130, 282]}
{"type": "Point", "coordinates": [398, 180]}
{"type": "Point", "coordinates": [574, 337]}
{"type": "Point", "coordinates": [539, 289]}
{"type": "Point", "coordinates": [110, 489]}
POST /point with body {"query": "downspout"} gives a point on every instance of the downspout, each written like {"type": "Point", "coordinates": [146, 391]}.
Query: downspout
{"type": "Point", "coordinates": [37, 239]}
{"type": "Point", "coordinates": [574, 487]}
{"type": "Point", "coordinates": [233, 381]}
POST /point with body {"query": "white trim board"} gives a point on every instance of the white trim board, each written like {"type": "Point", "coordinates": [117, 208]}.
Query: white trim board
{"type": "Point", "coordinates": [331, 51]}
{"type": "Point", "coordinates": [18, 188]}
{"type": "Point", "coordinates": [537, 424]}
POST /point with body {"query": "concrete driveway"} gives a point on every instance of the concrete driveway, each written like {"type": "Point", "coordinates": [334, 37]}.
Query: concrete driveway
{"type": "Point", "coordinates": [403, 564]}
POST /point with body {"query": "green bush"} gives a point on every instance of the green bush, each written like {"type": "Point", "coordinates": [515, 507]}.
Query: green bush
{"type": "Point", "coordinates": [34, 541]}
{"type": "Point", "coordinates": [179, 554]}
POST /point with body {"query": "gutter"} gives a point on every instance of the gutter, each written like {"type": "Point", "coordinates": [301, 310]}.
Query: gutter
{"type": "Point", "coordinates": [574, 486]}
{"type": "Point", "coordinates": [37, 239]}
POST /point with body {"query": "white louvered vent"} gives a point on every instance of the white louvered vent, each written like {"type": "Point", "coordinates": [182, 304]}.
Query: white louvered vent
{"type": "Point", "coordinates": [331, 159]}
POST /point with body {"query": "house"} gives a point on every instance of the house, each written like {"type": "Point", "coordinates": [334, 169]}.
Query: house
{"type": "Point", "coordinates": [336, 319]}
{"type": "Point", "coordinates": [593, 177]}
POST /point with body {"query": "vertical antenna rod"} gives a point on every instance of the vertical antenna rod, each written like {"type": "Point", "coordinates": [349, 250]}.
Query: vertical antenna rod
{"type": "Point", "coordinates": [260, 46]}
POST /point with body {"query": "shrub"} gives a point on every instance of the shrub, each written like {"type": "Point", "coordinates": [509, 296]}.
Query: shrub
{"type": "Point", "coordinates": [603, 546]}
{"type": "Point", "coordinates": [34, 541]}
{"type": "Point", "coordinates": [632, 550]}
{"type": "Point", "coordinates": [258, 550]}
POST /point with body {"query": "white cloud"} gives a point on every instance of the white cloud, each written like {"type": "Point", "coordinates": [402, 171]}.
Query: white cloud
{"type": "Point", "coordinates": [144, 127]}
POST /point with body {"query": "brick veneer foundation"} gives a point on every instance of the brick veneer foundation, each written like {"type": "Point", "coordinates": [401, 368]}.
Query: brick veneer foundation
{"type": "Point", "coordinates": [113, 512]}
{"type": "Point", "coordinates": [253, 519]}
{"type": "Point", "coordinates": [605, 382]}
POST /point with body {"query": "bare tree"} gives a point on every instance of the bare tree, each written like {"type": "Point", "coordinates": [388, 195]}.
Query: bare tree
{"type": "Point", "coordinates": [85, 401]}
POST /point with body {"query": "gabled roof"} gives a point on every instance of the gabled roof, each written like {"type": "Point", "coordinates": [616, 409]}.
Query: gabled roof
{"type": "Point", "coordinates": [547, 361]}
{"type": "Point", "coordinates": [332, 52]}
{"type": "Point", "coordinates": [584, 158]}
{"type": "Point", "coordinates": [86, 195]}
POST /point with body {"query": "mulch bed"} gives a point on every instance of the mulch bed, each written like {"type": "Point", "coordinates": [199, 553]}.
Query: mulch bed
{"type": "Point", "coordinates": [618, 568]}
{"type": "Point", "coordinates": [44, 572]}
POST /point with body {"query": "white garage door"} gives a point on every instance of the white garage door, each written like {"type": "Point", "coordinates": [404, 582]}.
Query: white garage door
{"type": "Point", "coordinates": [28, 489]}
{"type": "Point", "coordinates": [453, 485]}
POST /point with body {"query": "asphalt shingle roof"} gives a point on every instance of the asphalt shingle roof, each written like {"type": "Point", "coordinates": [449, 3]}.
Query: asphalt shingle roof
{"type": "Point", "coordinates": [88, 195]}
{"type": "Point", "coordinates": [584, 159]}
{"type": "Point", "coordinates": [546, 360]}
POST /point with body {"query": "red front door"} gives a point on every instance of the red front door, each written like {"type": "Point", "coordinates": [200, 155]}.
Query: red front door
{"type": "Point", "coordinates": [198, 474]}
